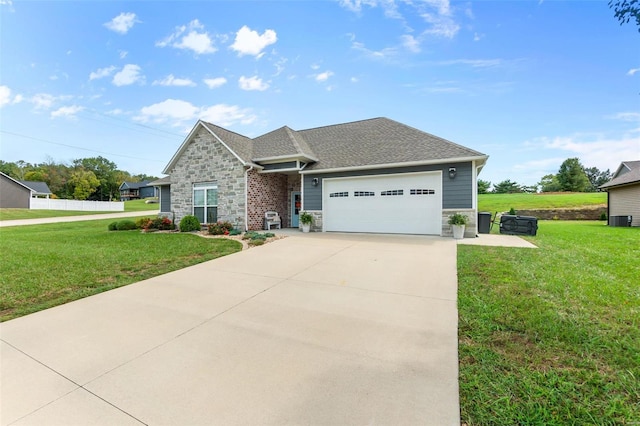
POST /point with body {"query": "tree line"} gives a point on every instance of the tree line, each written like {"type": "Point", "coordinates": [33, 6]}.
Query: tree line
{"type": "Point", "coordinates": [94, 178]}
{"type": "Point", "coordinates": [571, 177]}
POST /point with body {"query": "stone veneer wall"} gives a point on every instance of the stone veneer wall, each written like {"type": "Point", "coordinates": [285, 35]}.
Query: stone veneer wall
{"type": "Point", "coordinates": [267, 192]}
{"type": "Point", "coordinates": [316, 224]}
{"type": "Point", "coordinates": [207, 160]}
{"type": "Point", "coordinates": [470, 231]}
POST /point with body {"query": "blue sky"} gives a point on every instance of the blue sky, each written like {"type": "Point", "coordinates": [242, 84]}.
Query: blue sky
{"type": "Point", "coordinates": [530, 83]}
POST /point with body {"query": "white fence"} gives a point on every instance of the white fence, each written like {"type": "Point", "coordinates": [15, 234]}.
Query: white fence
{"type": "Point", "coordinates": [76, 205]}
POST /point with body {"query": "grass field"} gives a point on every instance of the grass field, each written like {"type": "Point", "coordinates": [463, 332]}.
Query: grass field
{"type": "Point", "coordinates": [13, 214]}
{"type": "Point", "coordinates": [551, 336]}
{"type": "Point", "coordinates": [47, 265]}
{"type": "Point", "coordinates": [503, 202]}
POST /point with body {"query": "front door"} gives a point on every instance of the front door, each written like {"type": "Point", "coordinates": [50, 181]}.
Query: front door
{"type": "Point", "coordinates": [296, 203]}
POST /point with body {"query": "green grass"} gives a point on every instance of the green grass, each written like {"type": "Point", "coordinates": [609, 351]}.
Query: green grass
{"type": "Point", "coordinates": [551, 336]}
{"type": "Point", "coordinates": [46, 265]}
{"type": "Point", "coordinates": [139, 205]}
{"type": "Point", "coordinates": [13, 214]}
{"type": "Point", "coordinates": [503, 202]}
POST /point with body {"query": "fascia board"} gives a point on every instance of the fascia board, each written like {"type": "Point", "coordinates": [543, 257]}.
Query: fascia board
{"type": "Point", "coordinates": [481, 160]}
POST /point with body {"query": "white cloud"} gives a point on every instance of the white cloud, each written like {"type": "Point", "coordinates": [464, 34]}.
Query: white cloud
{"type": "Point", "coordinates": [43, 100]}
{"type": "Point", "coordinates": [19, 98]}
{"type": "Point", "coordinates": [249, 42]}
{"type": "Point", "coordinates": [122, 53]}
{"type": "Point", "coordinates": [252, 83]}
{"type": "Point", "coordinates": [632, 71]}
{"type": "Point", "coordinates": [474, 63]}
{"type": "Point", "coordinates": [122, 23]}
{"type": "Point", "coordinates": [5, 95]}
{"type": "Point", "coordinates": [101, 73]}
{"type": "Point", "coordinates": [171, 109]}
{"type": "Point", "coordinates": [178, 112]}
{"type": "Point", "coordinates": [7, 2]}
{"type": "Point", "coordinates": [410, 43]}
{"type": "Point", "coordinates": [226, 115]}
{"type": "Point", "coordinates": [190, 37]}
{"type": "Point", "coordinates": [129, 74]}
{"type": "Point", "coordinates": [323, 76]}
{"type": "Point", "coordinates": [627, 116]}
{"type": "Point", "coordinates": [170, 80]}
{"type": "Point", "coordinates": [385, 54]}
{"type": "Point", "coordinates": [441, 25]}
{"type": "Point", "coordinates": [477, 37]}
{"type": "Point", "coordinates": [594, 150]}
{"type": "Point", "coordinates": [354, 79]}
{"type": "Point", "coordinates": [67, 111]}
{"type": "Point", "coordinates": [213, 83]}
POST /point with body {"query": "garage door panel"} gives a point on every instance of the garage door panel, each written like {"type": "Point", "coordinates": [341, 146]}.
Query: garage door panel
{"type": "Point", "coordinates": [399, 211]}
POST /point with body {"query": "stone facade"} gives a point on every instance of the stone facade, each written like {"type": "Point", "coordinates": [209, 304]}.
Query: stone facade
{"type": "Point", "coordinates": [207, 160]}
{"type": "Point", "coordinates": [316, 224]}
{"type": "Point", "coordinates": [470, 230]}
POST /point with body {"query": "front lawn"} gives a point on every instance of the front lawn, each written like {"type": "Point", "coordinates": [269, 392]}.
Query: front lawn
{"type": "Point", "coordinates": [551, 336]}
{"type": "Point", "coordinates": [129, 206]}
{"type": "Point", "coordinates": [46, 265]}
{"type": "Point", "coordinates": [503, 202]}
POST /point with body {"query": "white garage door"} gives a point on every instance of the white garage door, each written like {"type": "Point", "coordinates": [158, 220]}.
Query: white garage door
{"type": "Point", "coordinates": [408, 203]}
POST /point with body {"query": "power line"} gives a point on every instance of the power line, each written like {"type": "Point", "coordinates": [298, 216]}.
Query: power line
{"type": "Point", "coordinates": [78, 147]}
{"type": "Point", "coordinates": [144, 126]}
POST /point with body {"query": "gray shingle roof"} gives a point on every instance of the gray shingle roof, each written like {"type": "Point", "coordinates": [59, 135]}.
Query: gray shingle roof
{"type": "Point", "coordinates": [366, 143]}
{"type": "Point", "coordinates": [281, 142]}
{"type": "Point", "coordinates": [135, 185]}
{"type": "Point", "coordinates": [37, 187]}
{"type": "Point", "coordinates": [378, 141]}
{"type": "Point", "coordinates": [628, 172]}
{"type": "Point", "coordinates": [239, 144]}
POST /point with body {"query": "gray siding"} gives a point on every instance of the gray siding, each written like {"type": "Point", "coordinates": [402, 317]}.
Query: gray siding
{"type": "Point", "coordinates": [165, 198]}
{"type": "Point", "coordinates": [457, 193]}
{"type": "Point", "coordinates": [13, 195]}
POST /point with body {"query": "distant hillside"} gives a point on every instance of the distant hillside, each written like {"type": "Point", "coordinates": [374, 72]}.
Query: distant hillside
{"type": "Point", "coordinates": [543, 201]}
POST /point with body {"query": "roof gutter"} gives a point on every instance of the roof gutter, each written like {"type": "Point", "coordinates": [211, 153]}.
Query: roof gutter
{"type": "Point", "coordinates": [481, 160]}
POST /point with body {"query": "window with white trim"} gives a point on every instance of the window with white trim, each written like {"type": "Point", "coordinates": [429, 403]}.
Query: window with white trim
{"type": "Point", "coordinates": [338, 194]}
{"type": "Point", "coordinates": [422, 192]}
{"type": "Point", "coordinates": [363, 193]}
{"type": "Point", "coordinates": [205, 202]}
{"type": "Point", "coordinates": [392, 192]}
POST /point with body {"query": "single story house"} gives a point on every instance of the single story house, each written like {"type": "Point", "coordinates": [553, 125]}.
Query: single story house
{"type": "Point", "coordinates": [623, 194]}
{"type": "Point", "coordinates": [17, 194]}
{"type": "Point", "coordinates": [136, 190]}
{"type": "Point", "coordinates": [375, 175]}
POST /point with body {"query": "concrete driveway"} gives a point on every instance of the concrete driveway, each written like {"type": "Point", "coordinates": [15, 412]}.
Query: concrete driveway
{"type": "Point", "coordinates": [327, 329]}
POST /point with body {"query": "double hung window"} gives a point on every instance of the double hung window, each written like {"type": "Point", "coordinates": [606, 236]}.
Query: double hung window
{"type": "Point", "coordinates": [205, 202]}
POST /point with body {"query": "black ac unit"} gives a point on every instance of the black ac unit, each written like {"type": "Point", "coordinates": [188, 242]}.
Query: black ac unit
{"type": "Point", "coordinates": [518, 225]}
{"type": "Point", "coordinates": [620, 220]}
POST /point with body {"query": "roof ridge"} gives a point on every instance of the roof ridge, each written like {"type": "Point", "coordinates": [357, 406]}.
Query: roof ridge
{"type": "Point", "coordinates": [342, 124]}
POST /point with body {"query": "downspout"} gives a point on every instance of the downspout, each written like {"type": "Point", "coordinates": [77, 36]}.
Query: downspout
{"type": "Point", "coordinates": [246, 198]}
{"type": "Point", "coordinates": [302, 188]}
{"type": "Point", "coordinates": [475, 193]}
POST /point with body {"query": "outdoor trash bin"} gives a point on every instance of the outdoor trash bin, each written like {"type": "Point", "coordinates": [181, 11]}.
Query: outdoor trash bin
{"type": "Point", "coordinates": [484, 222]}
{"type": "Point", "coordinates": [518, 225]}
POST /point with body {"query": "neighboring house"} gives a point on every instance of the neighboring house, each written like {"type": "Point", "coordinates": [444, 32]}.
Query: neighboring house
{"type": "Point", "coordinates": [136, 190]}
{"type": "Point", "coordinates": [623, 194]}
{"type": "Point", "coordinates": [17, 194]}
{"type": "Point", "coordinates": [374, 175]}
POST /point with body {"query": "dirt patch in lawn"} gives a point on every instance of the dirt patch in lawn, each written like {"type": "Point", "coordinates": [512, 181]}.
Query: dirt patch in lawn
{"type": "Point", "coordinates": [245, 243]}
